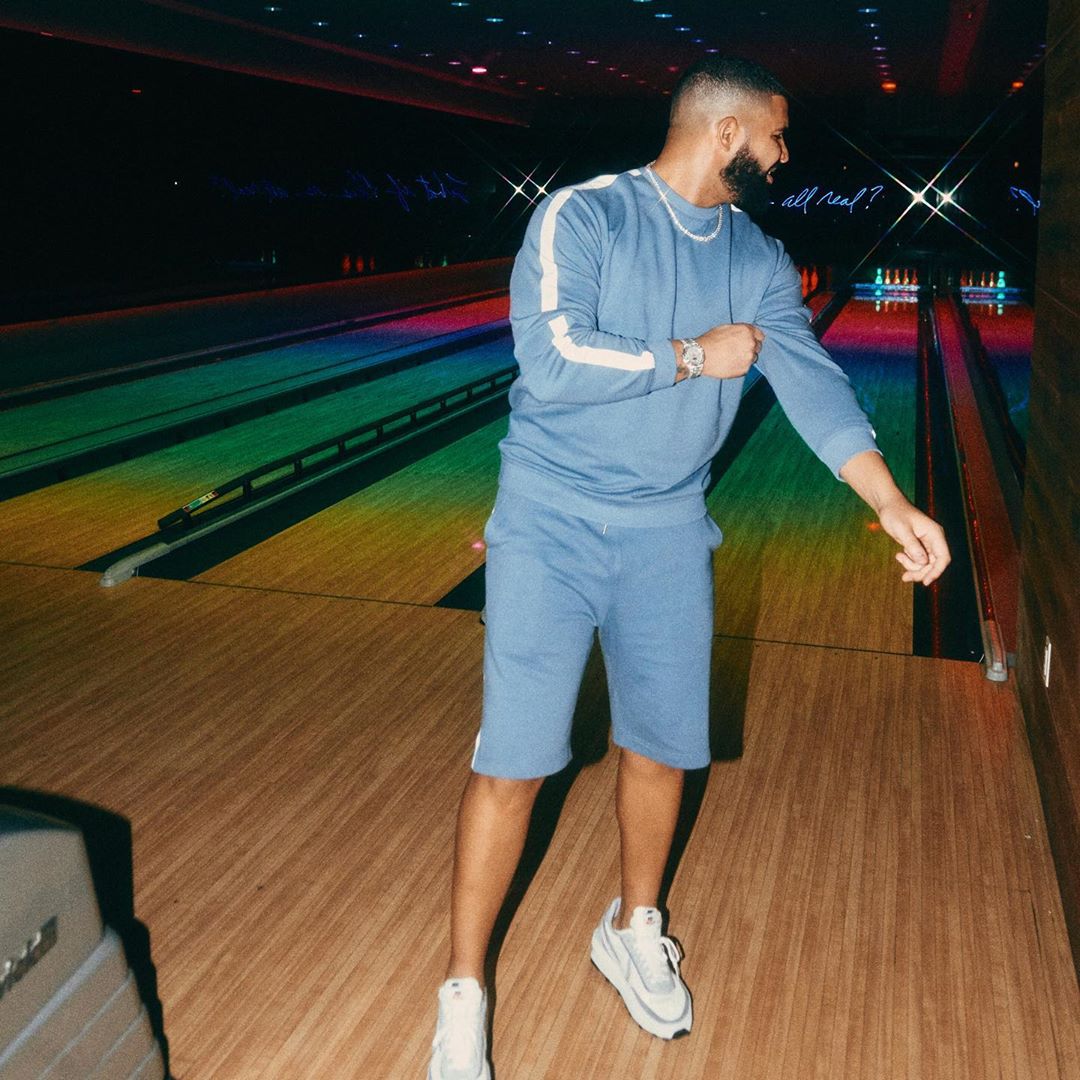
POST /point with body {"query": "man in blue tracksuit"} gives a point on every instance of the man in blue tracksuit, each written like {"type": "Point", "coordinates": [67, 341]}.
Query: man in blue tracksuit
{"type": "Point", "coordinates": [638, 304]}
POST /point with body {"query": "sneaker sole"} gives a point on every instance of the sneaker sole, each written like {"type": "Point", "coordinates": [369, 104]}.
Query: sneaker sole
{"type": "Point", "coordinates": [662, 1029]}
{"type": "Point", "coordinates": [484, 1075]}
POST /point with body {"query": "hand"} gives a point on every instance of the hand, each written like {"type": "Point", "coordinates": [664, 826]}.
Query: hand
{"type": "Point", "coordinates": [925, 554]}
{"type": "Point", "coordinates": [730, 349]}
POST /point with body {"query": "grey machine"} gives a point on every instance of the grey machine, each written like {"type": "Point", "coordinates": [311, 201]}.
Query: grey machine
{"type": "Point", "coordinates": [69, 1007]}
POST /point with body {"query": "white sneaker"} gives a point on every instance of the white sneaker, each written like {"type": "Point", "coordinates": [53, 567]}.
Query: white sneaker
{"type": "Point", "coordinates": [459, 1051]}
{"type": "Point", "coordinates": [644, 967]}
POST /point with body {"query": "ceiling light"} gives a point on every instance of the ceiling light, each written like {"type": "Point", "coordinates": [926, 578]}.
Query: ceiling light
{"type": "Point", "coordinates": [592, 61]}
{"type": "Point", "coordinates": [494, 19]}
{"type": "Point", "coordinates": [479, 69]}
{"type": "Point", "coordinates": [319, 24]}
{"type": "Point", "coordinates": [524, 33]}
{"type": "Point", "coordinates": [273, 9]}
{"type": "Point", "coordinates": [890, 88]}
{"type": "Point", "coordinates": [454, 63]}
{"type": "Point", "coordinates": [683, 29]}
{"type": "Point", "coordinates": [868, 11]}
{"type": "Point", "coordinates": [573, 52]}
{"type": "Point", "coordinates": [663, 15]}
{"type": "Point", "coordinates": [459, 3]}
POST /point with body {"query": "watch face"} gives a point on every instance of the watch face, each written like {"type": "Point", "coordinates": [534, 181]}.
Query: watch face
{"type": "Point", "coordinates": [693, 356]}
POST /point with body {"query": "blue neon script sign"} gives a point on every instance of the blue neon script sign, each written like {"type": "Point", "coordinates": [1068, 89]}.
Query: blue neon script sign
{"type": "Point", "coordinates": [1026, 196]}
{"type": "Point", "coordinates": [429, 187]}
{"type": "Point", "coordinates": [809, 197]}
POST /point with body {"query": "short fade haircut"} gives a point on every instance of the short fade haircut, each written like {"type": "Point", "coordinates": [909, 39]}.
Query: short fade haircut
{"type": "Point", "coordinates": [726, 76]}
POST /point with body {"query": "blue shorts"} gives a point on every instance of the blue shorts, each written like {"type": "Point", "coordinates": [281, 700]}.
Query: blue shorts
{"type": "Point", "coordinates": [552, 580]}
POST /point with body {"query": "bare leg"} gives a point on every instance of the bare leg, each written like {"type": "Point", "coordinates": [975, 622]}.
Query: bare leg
{"type": "Point", "coordinates": [492, 824]}
{"type": "Point", "coordinates": [647, 799]}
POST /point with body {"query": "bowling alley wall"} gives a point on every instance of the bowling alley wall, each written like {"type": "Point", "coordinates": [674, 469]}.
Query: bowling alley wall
{"type": "Point", "coordinates": [1050, 545]}
{"type": "Point", "coordinates": [139, 174]}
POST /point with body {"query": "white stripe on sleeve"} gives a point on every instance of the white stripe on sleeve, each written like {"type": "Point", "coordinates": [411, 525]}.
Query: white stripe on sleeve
{"type": "Point", "coordinates": [549, 295]}
{"type": "Point", "coordinates": [585, 354]}
{"type": "Point", "coordinates": [549, 270]}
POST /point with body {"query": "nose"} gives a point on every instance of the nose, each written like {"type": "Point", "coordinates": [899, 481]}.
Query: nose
{"type": "Point", "coordinates": [783, 152]}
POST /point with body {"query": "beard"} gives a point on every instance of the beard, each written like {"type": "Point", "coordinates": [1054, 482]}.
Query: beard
{"type": "Point", "coordinates": [745, 179]}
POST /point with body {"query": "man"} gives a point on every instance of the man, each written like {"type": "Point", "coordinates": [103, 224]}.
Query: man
{"type": "Point", "coordinates": [638, 304]}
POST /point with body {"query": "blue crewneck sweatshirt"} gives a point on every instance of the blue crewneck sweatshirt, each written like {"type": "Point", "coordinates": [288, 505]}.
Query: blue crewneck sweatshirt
{"type": "Point", "coordinates": [603, 282]}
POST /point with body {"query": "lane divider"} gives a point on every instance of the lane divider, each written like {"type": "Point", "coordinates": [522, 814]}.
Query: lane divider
{"type": "Point", "coordinates": [253, 491]}
{"type": "Point", "coordinates": [995, 553]}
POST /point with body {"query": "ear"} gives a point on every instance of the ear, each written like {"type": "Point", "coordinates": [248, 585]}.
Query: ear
{"type": "Point", "coordinates": [726, 132]}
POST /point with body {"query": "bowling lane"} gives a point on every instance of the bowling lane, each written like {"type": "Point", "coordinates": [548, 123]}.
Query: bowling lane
{"type": "Point", "coordinates": [76, 345]}
{"type": "Point", "coordinates": [408, 539]}
{"type": "Point", "coordinates": [802, 560]}
{"type": "Point", "coordinates": [46, 430]}
{"type": "Point", "coordinates": [1007, 332]}
{"type": "Point", "coordinates": [73, 522]}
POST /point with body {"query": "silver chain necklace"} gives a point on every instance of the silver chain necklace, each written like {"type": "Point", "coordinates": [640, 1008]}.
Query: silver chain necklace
{"type": "Point", "coordinates": [671, 212]}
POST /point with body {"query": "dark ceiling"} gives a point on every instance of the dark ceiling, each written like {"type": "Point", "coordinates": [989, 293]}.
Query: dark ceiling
{"type": "Point", "coordinates": [950, 60]}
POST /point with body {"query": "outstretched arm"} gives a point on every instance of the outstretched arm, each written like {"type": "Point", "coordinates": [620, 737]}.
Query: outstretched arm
{"type": "Point", "coordinates": [925, 553]}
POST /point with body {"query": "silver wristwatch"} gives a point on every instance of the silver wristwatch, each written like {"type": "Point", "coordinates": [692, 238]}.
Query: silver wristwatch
{"type": "Point", "coordinates": [693, 357]}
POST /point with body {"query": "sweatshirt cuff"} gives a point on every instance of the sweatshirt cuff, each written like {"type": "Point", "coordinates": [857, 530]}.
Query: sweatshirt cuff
{"type": "Point", "coordinates": [844, 444]}
{"type": "Point", "coordinates": [664, 356]}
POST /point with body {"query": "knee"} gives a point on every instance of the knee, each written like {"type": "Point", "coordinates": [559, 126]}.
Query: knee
{"type": "Point", "coordinates": [506, 794]}
{"type": "Point", "coordinates": [642, 766]}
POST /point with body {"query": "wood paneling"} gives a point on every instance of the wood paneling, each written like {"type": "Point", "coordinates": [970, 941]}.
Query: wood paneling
{"type": "Point", "coordinates": [1050, 545]}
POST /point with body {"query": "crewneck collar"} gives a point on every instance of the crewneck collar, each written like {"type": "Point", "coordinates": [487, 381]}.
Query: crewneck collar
{"type": "Point", "coordinates": [689, 214]}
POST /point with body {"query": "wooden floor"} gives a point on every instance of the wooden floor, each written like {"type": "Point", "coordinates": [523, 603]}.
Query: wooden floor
{"type": "Point", "coordinates": [867, 891]}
